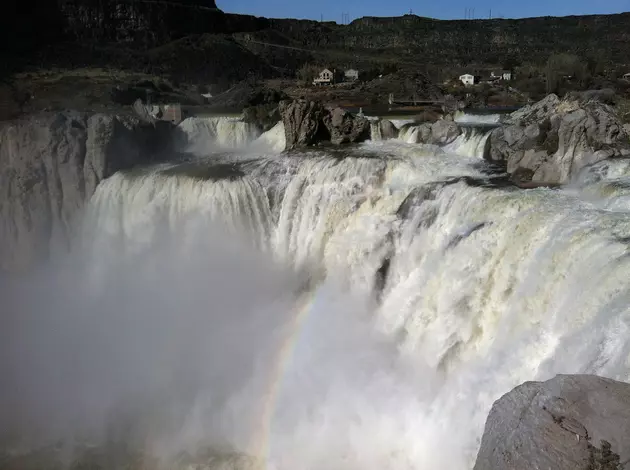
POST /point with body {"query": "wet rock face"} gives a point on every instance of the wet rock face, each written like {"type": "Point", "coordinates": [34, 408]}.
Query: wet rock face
{"type": "Point", "coordinates": [557, 138]}
{"type": "Point", "coordinates": [50, 164]}
{"type": "Point", "coordinates": [567, 423]}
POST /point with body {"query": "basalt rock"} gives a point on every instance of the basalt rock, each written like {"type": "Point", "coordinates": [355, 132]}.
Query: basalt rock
{"type": "Point", "coordinates": [307, 123]}
{"type": "Point", "coordinates": [443, 132]}
{"type": "Point", "coordinates": [345, 128]}
{"type": "Point", "coordinates": [302, 122]}
{"type": "Point", "coordinates": [557, 138]}
{"type": "Point", "coordinates": [568, 423]}
{"type": "Point", "coordinates": [50, 165]}
{"type": "Point", "coordinates": [388, 130]}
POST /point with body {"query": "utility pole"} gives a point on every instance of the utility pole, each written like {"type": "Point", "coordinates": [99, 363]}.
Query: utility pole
{"type": "Point", "coordinates": [490, 17]}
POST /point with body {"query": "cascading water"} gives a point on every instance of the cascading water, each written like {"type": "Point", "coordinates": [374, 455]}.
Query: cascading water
{"type": "Point", "coordinates": [206, 135]}
{"type": "Point", "coordinates": [431, 289]}
{"type": "Point", "coordinates": [274, 139]}
{"type": "Point", "coordinates": [462, 117]}
{"type": "Point", "coordinates": [376, 134]}
{"type": "Point", "coordinates": [472, 141]}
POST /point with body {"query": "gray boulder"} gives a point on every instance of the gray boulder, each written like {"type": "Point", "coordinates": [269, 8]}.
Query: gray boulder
{"type": "Point", "coordinates": [443, 132]}
{"type": "Point", "coordinates": [557, 138]}
{"type": "Point", "coordinates": [567, 423]}
{"type": "Point", "coordinates": [50, 164]}
{"type": "Point", "coordinates": [346, 128]}
{"type": "Point", "coordinates": [388, 130]}
{"type": "Point", "coordinates": [302, 120]}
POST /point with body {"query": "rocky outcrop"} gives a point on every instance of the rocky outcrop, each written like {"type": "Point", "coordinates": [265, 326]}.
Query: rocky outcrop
{"type": "Point", "coordinates": [557, 138]}
{"type": "Point", "coordinates": [302, 121]}
{"type": "Point", "coordinates": [443, 132]}
{"type": "Point", "coordinates": [387, 129]}
{"type": "Point", "coordinates": [307, 123]}
{"type": "Point", "coordinates": [50, 164]}
{"type": "Point", "coordinates": [568, 423]}
{"type": "Point", "coordinates": [345, 128]}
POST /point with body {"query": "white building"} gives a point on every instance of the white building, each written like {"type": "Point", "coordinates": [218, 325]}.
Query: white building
{"type": "Point", "coordinates": [352, 75]}
{"type": "Point", "coordinates": [467, 79]}
{"type": "Point", "coordinates": [507, 75]}
{"type": "Point", "coordinates": [626, 76]}
{"type": "Point", "coordinates": [326, 77]}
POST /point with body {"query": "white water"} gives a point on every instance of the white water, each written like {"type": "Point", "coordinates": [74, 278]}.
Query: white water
{"type": "Point", "coordinates": [479, 119]}
{"type": "Point", "coordinates": [472, 141]}
{"type": "Point", "coordinates": [206, 135]}
{"type": "Point", "coordinates": [274, 139]}
{"type": "Point", "coordinates": [410, 134]}
{"type": "Point", "coordinates": [376, 134]}
{"type": "Point", "coordinates": [487, 288]}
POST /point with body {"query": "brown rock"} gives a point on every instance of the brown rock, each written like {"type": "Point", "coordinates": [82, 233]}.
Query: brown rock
{"type": "Point", "coordinates": [302, 122]}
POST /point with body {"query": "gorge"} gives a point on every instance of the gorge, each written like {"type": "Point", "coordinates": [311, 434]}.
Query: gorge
{"type": "Point", "coordinates": [211, 296]}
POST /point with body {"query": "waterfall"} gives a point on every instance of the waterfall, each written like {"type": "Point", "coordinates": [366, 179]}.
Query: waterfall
{"type": "Point", "coordinates": [205, 135]}
{"type": "Point", "coordinates": [472, 141]}
{"type": "Point", "coordinates": [434, 289]}
{"type": "Point", "coordinates": [375, 131]}
{"type": "Point", "coordinates": [274, 139]}
{"type": "Point", "coordinates": [410, 133]}
{"type": "Point", "coordinates": [462, 117]}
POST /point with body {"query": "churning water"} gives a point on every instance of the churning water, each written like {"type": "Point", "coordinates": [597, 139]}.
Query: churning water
{"type": "Point", "coordinates": [346, 309]}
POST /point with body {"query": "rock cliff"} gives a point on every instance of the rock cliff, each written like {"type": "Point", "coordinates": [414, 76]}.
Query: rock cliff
{"type": "Point", "coordinates": [308, 123]}
{"type": "Point", "coordinates": [567, 423]}
{"type": "Point", "coordinates": [50, 164]}
{"type": "Point", "coordinates": [557, 138]}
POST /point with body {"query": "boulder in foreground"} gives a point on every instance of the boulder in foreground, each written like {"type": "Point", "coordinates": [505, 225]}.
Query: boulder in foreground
{"type": "Point", "coordinates": [579, 422]}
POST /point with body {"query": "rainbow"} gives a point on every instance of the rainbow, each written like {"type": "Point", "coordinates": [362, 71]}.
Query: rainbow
{"type": "Point", "coordinates": [262, 443]}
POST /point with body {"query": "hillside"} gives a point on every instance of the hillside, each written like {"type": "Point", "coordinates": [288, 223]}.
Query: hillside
{"type": "Point", "coordinates": [139, 25]}
{"type": "Point", "coordinates": [193, 42]}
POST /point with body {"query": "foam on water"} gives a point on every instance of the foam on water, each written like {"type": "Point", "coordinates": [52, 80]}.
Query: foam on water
{"type": "Point", "coordinates": [478, 119]}
{"type": "Point", "coordinates": [432, 296]}
{"type": "Point", "coordinates": [472, 141]}
{"type": "Point", "coordinates": [205, 135]}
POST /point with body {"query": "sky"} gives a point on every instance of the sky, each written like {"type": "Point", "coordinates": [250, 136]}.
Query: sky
{"type": "Point", "coordinates": [332, 10]}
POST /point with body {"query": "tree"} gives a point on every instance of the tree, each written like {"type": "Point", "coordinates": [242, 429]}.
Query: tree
{"type": "Point", "coordinates": [563, 66]}
{"type": "Point", "coordinates": [510, 63]}
{"type": "Point", "coordinates": [307, 73]}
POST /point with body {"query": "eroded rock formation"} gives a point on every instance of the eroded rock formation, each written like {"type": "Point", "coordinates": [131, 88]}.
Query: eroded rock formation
{"type": "Point", "coordinates": [50, 164]}
{"type": "Point", "coordinates": [557, 138]}
{"type": "Point", "coordinates": [568, 423]}
{"type": "Point", "coordinates": [345, 127]}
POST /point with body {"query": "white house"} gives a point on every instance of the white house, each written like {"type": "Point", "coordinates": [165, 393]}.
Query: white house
{"type": "Point", "coordinates": [352, 75]}
{"type": "Point", "coordinates": [507, 75]}
{"type": "Point", "coordinates": [467, 79]}
{"type": "Point", "coordinates": [326, 77]}
{"type": "Point", "coordinates": [626, 76]}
